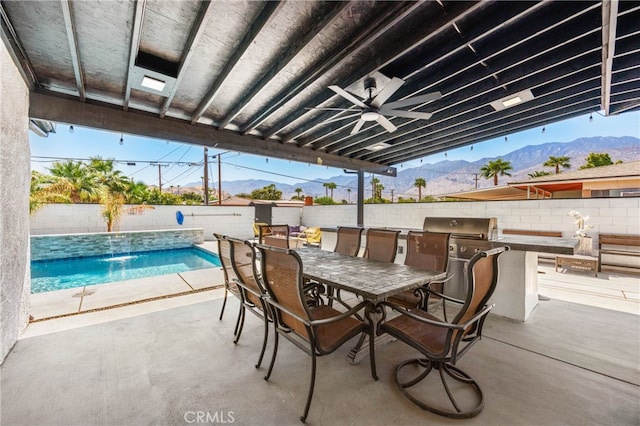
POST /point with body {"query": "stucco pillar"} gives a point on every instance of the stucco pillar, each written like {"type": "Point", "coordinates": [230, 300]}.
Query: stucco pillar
{"type": "Point", "coordinates": [15, 175]}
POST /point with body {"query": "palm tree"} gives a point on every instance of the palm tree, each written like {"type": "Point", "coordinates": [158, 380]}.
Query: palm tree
{"type": "Point", "coordinates": [80, 179]}
{"type": "Point", "coordinates": [326, 189]}
{"type": "Point", "coordinates": [494, 168]}
{"type": "Point", "coordinates": [538, 173]}
{"type": "Point", "coordinates": [331, 187]}
{"type": "Point", "coordinates": [420, 183]}
{"type": "Point", "coordinates": [558, 162]}
{"type": "Point", "coordinates": [379, 188]}
{"type": "Point", "coordinates": [374, 185]}
{"type": "Point", "coordinates": [298, 191]}
{"type": "Point", "coordinates": [136, 192]}
{"type": "Point", "coordinates": [349, 195]}
{"type": "Point", "coordinates": [47, 189]}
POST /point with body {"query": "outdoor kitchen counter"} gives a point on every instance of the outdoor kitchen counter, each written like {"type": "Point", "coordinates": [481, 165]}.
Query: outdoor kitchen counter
{"type": "Point", "coordinates": [516, 294]}
{"type": "Point", "coordinates": [536, 244]}
{"type": "Point", "coordinates": [514, 242]}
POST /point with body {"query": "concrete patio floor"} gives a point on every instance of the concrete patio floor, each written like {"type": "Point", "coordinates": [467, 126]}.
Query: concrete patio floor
{"type": "Point", "coordinates": [167, 359]}
{"type": "Point", "coordinates": [569, 364]}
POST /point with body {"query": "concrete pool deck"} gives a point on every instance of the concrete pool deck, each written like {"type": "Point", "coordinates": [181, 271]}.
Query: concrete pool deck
{"type": "Point", "coordinates": [77, 307]}
{"type": "Point", "coordinates": [87, 299]}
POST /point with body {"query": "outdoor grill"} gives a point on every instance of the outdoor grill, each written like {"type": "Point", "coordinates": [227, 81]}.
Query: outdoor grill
{"type": "Point", "coordinates": [469, 235]}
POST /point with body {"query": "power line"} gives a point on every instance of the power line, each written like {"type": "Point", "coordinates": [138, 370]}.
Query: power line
{"type": "Point", "coordinates": [179, 163]}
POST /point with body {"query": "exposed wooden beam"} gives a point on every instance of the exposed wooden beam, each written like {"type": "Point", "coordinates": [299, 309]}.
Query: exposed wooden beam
{"type": "Point", "coordinates": [609, 24]}
{"type": "Point", "coordinates": [295, 46]}
{"type": "Point", "coordinates": [485, 89]}
{"type": "Point", "coordinates": [58, 109]}
{"type": "Point", "coordinates": [267, 11]}
{"type": "Point", "coordinates": [568, 86]}
{"type": "Point", "coordinates": [70, 28]}
{"type": "Point", "coordinates": [372, 30]}
{"type": "Point", "coordinates": [136, 30]}
{"type": "Point", "coordinates": [390, 53]}
{"type": "Point", "coordinates": [194, 36]}
{"type": "Point", "coordinates": [506, 56]}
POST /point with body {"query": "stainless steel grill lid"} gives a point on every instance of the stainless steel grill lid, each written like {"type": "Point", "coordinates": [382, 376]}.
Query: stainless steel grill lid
{"type": "Point", "coordinates": [477, 228]}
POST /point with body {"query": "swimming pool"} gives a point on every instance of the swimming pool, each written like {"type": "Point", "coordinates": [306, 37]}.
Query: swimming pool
{"type": "Point", "coordinates": [77, 272]}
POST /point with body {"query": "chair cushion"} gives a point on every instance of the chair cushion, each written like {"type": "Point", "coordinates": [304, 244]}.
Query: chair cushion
{"type": "Point", "coordinates": [332, 335]}
{"type": "Point", "coordinates": [429, 338]}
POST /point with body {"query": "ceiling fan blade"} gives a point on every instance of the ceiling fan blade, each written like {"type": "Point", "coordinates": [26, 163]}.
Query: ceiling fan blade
{"type": "Point", "coordinates": [386, 124]}
{"type": "Point", "coordinates": [329, 109]}
{"type": "Point", "coordinates": [407, 114]}
{"type": "Point", "coordinates": [331, 120]}
{"type": "Point", "coordinates": [348, 96]}
{"type": "Point", "coordinates": [387, 91]}
{"type": "Point", "coordinates": [433, 96]}
{"type": "Point", "coordinates": [357, 127]}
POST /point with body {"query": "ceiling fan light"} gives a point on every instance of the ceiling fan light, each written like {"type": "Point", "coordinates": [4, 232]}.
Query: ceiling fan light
{"type": "Point", "coordinates": [369, 116]}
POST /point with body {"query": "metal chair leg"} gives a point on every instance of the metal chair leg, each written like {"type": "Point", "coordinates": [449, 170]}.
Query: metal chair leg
{"type": "Point", "coordinates": [264, 341]}
{"type": "Point", "coordinates": [239, 324]}
{"type": "Point", "coordinates": [444, 369]}
{"type": "Point", "coordinates": [224, 303]}
{"type": "Point", "coordinates": [275, 351]}
{"type": "Point", "coordinates": [312, 384]}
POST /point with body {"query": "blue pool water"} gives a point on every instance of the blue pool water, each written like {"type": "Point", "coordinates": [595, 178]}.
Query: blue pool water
{"type": "Point", "coordinates": [77, 272]}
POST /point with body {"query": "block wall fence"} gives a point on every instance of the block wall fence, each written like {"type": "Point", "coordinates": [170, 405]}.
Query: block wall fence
{"type": "Point", "coordinates": [607, 215]}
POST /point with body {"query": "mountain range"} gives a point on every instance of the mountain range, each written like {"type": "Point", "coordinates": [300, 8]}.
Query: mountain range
{"type": "Point", "coordinates": [446, 176]}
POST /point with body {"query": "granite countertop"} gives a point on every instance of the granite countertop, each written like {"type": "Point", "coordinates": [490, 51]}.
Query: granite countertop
{"type": "Point", "coordinates": [515, 242]}
{"type": "Point", "coordinates": [539, 244]}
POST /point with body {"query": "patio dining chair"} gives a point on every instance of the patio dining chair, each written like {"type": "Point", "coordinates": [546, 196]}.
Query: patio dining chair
{"type": "Point", "coordinates": [348, 240]}
{"type": "Point", "coordinates": [381, 245]}
{"type": "Point", "coordinates": [429, 251]}
{"type": "Point", "coordinates": [243, 260]}
{"type": "Point", "coordinates": [317, 330]}
{"type": "Point", "coordinates": [443, 343]}
{"type": "Point", "coordinates": [230, 278]}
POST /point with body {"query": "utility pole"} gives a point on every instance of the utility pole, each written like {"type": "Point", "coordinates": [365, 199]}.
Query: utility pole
{"type": "Point", "coordinates": [219, 179]}
{"type": "Point", "coordinates": [206, 177]}
{"type": "Point", "coordinates": [392, 196]}
{"type": "Point", "coordinates": [476, 179]}
{"type": "Point", "coordinates": [160, 166]}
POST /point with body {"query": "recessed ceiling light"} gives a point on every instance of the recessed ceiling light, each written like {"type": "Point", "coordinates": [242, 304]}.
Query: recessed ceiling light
{"type": "Point", "coordinates": [378, 146]}
{"type": "Point", "coordinates": [152, 83]}
{"type": "Point", "coordinates": [512, 100]}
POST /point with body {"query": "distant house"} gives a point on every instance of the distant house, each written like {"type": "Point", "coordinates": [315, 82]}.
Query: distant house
{"type": "Point", "coordinates": [616, 180]}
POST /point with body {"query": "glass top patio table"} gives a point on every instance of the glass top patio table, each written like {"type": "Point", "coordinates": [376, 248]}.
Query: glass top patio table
{"type": "Point", "coordinates": [374, 281]}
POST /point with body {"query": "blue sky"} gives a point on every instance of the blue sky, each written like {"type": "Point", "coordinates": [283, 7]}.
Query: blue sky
{"type": "Point", "coordinates": [174, 157]}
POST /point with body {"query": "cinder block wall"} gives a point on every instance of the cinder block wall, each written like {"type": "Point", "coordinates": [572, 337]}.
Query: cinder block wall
{"type": "Point", "coordinates": [607, 215]}
{"type": "Point", "coordinates": [85, 218]}
{"type": "Point", "coordinates": [15, 171]}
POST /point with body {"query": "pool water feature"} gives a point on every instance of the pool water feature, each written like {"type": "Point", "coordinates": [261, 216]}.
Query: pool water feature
{"type": "Point", "coordinates": [61, 274]}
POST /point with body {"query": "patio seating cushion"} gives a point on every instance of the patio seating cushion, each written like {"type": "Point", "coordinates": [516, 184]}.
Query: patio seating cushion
{"type": "Point", "coordinates": [295, 230]}
{"type": "Point", "coordinates": [425, 337]}
{"type": "Point", "coordinates": [329, 337]}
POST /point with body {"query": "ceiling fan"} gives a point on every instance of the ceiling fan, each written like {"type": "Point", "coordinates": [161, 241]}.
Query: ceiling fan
{"type": "Point", "coordinates": [373, 108]}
